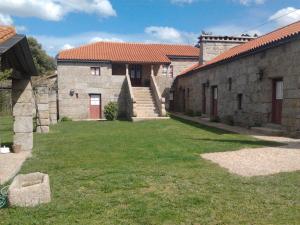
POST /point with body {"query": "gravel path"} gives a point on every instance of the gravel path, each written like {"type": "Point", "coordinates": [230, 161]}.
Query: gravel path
{"type": "Point", "coordinates": [259, 161]}
{"type": "Point", "coordinates": [254, 161]}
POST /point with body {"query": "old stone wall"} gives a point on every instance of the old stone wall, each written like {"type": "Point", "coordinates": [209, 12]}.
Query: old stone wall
{"type": "Point", "coordinates": [78, 77]}
{"type": "Point", "coordinates": [41, 94]}
{"type": "Point", "coordinates": [256, 89]}
{"type": "Point", "coordinates": [164, 82]}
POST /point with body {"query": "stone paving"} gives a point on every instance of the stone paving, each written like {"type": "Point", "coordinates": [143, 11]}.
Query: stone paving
{"type": "Point", "coordinates": [254, 161]}
{"type": "Point", "coordinates": [10, 164]}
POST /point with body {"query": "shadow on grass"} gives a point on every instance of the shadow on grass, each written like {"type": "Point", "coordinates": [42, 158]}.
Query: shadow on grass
{"type": "Point", "coordinates": [203, 127]}
{"type": "Point", "coordinates": [259, 143]}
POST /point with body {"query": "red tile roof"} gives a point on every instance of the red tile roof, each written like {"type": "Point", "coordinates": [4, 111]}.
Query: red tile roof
{"type": "Point", "coordinates": [6, 32]}
{"type": "Point", "coordinates": [128, 52]}
{"type": "Point", "coordinates": [272, 37]}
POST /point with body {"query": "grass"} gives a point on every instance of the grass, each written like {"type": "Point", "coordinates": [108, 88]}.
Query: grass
{"type": "Point", "coordinates": [150, 173]}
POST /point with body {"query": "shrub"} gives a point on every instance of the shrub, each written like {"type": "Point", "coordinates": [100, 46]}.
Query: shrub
{"type": "Point", "coordinates": [65, 119]}
{"type": "Point", "coordinates": [111, 111]}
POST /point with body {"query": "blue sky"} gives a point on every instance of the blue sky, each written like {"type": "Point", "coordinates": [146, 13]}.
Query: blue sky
{"type": "Point", "coordinates": [63, 24]}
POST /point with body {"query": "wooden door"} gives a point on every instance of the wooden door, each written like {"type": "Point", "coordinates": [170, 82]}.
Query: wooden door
{"type": "Point", "coordinates": [277, 101]}
{"type": "Point", "coordinates": [204, 98]}
{"type": "Point", "coordinates": [214, 102]}
{"type": "Point", "coordinates": [136, 75]}
{"type": "Point", "coordinates": [95, 106]}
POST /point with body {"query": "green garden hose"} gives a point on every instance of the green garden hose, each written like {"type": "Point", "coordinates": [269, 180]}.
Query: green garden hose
{"type": "Point", "coordinates": [3, 197]}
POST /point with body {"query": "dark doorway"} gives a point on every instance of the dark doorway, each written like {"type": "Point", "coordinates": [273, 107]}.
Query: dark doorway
{"type": "Point", "coordinates": [136, 75]}
{"type": "Point", "coordinates": [214, 101]}
{"type": "Point", "coordinates": [277, 98]}
{"type": "Point", "coordinates": [204, 98]}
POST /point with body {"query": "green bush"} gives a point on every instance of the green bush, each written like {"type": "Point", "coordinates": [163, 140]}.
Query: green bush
{"type": "Point", "coordinates": [65, 119]}
{"type": "Point", "coordinates": [111, 111]}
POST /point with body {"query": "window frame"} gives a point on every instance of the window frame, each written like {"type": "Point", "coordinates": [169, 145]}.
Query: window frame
{"type": "Point", "coordinates": [94, 70]}
{"type": "Point", "coordinates": [165, 70]}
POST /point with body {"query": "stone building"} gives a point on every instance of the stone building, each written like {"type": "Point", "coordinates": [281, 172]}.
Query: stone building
{"type": "Point", "coordinates": [137, 76]}
{"type": "Point", "coordinates": [254, 84]}
{"type": "Point", "coordinates": [15, 54]}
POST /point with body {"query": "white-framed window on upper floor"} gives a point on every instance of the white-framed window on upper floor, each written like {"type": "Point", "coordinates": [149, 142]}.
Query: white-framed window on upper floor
{"type": "Point", "coordinates": [95, 71]}
{"type": "Point", "coordinates": [165, 70]}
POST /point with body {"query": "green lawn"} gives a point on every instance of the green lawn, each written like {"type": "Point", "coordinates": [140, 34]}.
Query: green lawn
{"type": "Point", "coordinates": [149, 173]}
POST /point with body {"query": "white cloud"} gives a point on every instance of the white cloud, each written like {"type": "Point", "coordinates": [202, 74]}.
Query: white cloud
{"type": "Point", "coordinates": [249, 2]}
{"type": "Point", "coordinates": [98, 39]}
{"type": "Point", "coordinates": [170, 34]}
{"type": "Point", "coordinates": [54, 44]}
{"type": "Point", "coordinates": [182, 2]}
{"type": "Point", "coordinates": [55, 10]}
{"type": "Point", "coordinates": [66, 47]}
{"type": "Point", "coordinates": [231, 30]}
{"type": "Point", "coordinates": [6, 20]}
{"type": "Point", "coordinates": [286, 16]}
{"type": "Point", "coordinates": [164, 33]}
{"type": "Point", "coordinates": [21, 29]}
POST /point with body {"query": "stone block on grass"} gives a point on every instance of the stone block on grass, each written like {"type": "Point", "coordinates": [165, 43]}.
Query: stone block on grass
{"type": "Point", "coordinates": [29, 190]}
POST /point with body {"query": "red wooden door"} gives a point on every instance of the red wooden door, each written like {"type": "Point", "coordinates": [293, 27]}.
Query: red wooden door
{"type": "Point", "coordinates": [136, 75]}
{"type": "Point", "coordinates": [214, 101]}
{"type": "Point", "coordinates": [277, 101]}
{"type": "Point", "coordinates": [95, 106]}
{"type": "Point", "coordinates": [204, 98]}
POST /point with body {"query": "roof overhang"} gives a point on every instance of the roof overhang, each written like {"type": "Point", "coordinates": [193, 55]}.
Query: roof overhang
{"type": "Point", "coordinates": [16, 54]}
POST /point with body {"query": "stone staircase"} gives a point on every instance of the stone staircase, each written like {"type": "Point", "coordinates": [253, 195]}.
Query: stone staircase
{"type": "Point", "coordinates": [270, 129]}
{"type": "Point", "coordinates": [145, 104]}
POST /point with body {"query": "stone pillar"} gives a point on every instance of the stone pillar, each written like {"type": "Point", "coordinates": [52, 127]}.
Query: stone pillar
{"type": "Point", "coordinates": [127, 69]}
{"type": "Point", "coordinates": [52, 107]}
{"type": "Point", "coordinates": [42, 103]}
{"type": "Point", "coordinates": [152, 70]}
{"type": "Point", "coordinates": [22, 113]}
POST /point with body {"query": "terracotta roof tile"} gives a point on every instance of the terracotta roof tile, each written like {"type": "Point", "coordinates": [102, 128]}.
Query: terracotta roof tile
{"type": "Point", "coordinates": [128, 52]}
{"type": "Point", "coordinates": [6, 32]}
{"type": "Point", "coordinates": [272, 37]}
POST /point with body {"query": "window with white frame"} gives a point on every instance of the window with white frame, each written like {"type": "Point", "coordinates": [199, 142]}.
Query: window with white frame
{"type": "Point", "coordinates": [95, 71]}
{"type": "Point", "coordinates": [165, 70]}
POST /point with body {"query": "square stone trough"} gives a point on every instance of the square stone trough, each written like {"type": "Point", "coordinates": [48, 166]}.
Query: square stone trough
{"type": "Point", "coordinates": [29, 190]}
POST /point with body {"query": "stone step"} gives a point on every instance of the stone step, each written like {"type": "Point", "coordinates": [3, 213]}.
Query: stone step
{"type": "Point", "coordinates": [268, 131]}
{"type": "Point", "coordinates": [150, 104]}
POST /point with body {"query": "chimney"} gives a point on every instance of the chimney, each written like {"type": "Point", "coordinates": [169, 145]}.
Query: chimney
{"type": "Point", "coordinates": [211, 46]}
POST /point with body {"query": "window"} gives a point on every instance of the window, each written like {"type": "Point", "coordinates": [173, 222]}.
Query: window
{"type": "Point", "coordinates": [229, 84]}
{"type": "Point", "coordinates": [165, 70]}
{"type": "Point", "coordinates": [95, 71]}
{"type": "Point", "coordinates": [240, 101]}
{"type": "Point", "coordinates": [171, 71]}
{"type": "Point", "coordinates": [279, 90]}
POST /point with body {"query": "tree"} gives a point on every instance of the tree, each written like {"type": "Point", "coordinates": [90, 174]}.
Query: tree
{"type": "Point", "coordinates": [43, 62]}
{"type": "Point", "coordinates": [5, 74]}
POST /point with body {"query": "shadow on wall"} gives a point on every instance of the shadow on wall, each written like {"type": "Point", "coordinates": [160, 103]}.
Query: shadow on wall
{"type": "Point", "coordinates": [122, 102]}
